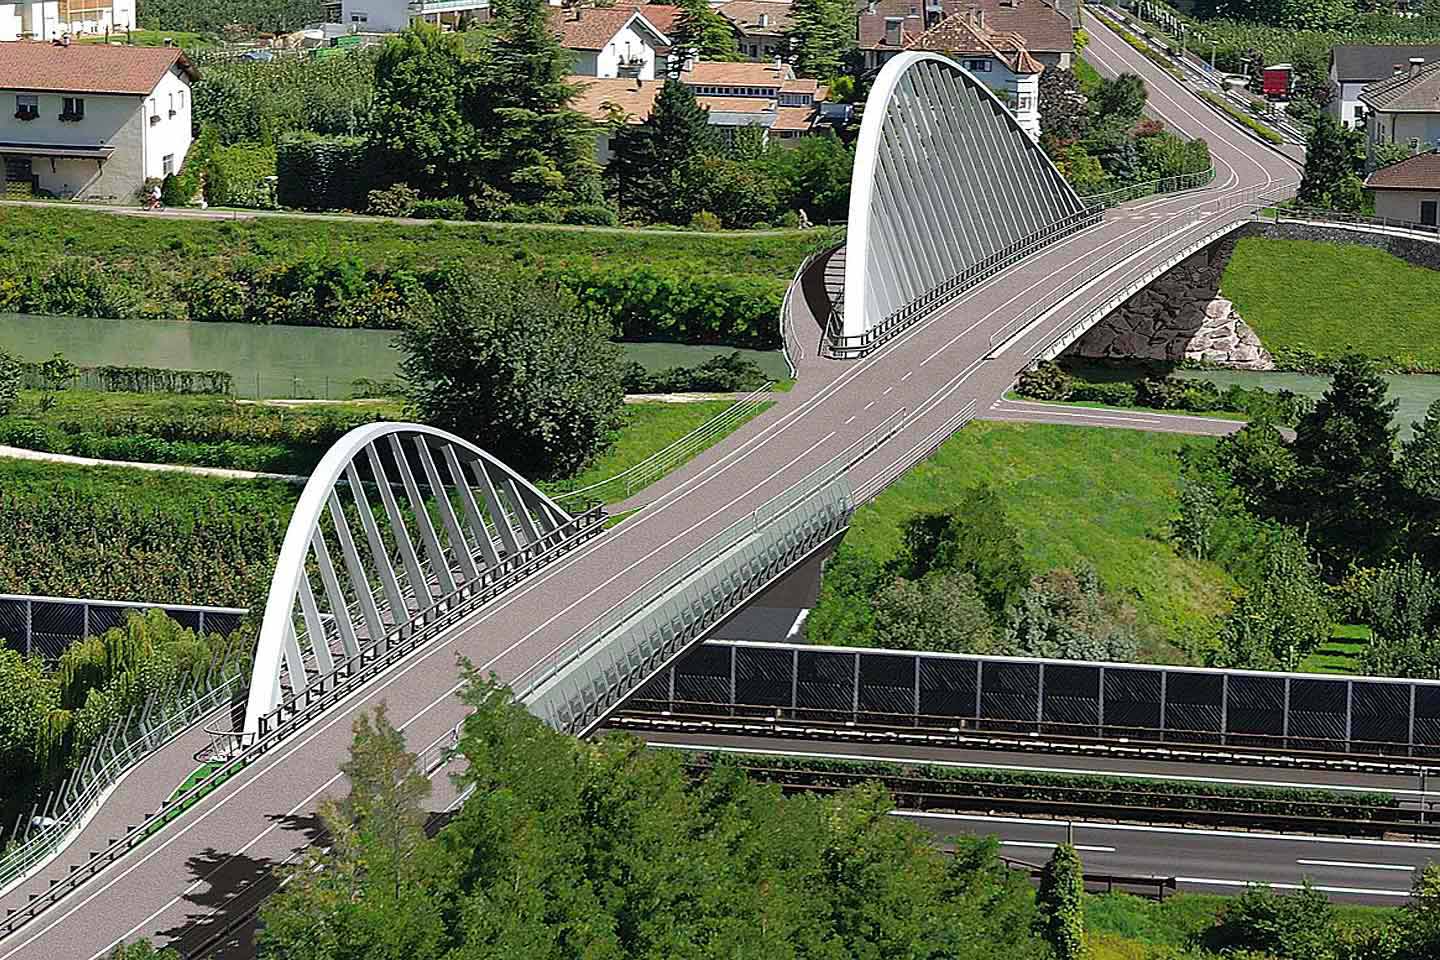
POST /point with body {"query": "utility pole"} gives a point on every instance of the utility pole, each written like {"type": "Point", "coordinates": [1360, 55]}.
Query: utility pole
{"type": "Point", "coordinates": [1214, 45]}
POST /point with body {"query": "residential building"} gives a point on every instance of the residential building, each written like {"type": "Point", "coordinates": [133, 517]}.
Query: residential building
{"type": "Point", "coordinates": [93, 121]}
{"type": "Point", "coordinates": [998, 60]}
{"type": "Point", "coordinates": [392, 16]}
{"type": "Point", "coordinates": [1408, 190]}
{"type": "Point", "coordinates": [52, 19]}
{"type": "Point", "coordinates": [760, 26]}
{"type": "Point", "coordinates": [1354, 66]}
{"type": "Point", "coordinates": [1405, 108]}
{"type": "Point", "coordinates": [610, 42]}
{"type": "Point", "coordinates": [606, 101]}
{"type": "Point", "coordinates": [886, 27]}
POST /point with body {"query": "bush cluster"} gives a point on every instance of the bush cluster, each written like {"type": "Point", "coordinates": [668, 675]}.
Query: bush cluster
{"type": "Point", "coordinates": [109, 378]}
{"type": "Point", "coordinates": [728, 373]}
{"type": "Point", "coordinates": [1049, 381]}
{"type": "Point", "coordinates": [648, 303]}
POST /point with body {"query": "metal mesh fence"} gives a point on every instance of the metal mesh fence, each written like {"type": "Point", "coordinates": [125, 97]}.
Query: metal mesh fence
{"type": "Point", "coordinates": [47, 625]}
{"type": "Point", "coordinates": [1054, 698]}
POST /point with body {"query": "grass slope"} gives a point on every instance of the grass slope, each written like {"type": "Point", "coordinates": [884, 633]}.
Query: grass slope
{"type": "Point", "coordinates": [1075, 493]}
{"type": "Point", "coordinates": [1330, 298]}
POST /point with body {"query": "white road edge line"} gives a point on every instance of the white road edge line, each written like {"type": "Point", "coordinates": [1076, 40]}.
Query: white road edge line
{"type": "Point", "coordinates": [1357, 891]}
{"type": "Point", "coordinates": [1408, 868]}
{"type": "Point", "coordinates": [1051, 846]}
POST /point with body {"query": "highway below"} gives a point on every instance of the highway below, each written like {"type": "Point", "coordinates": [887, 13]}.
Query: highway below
{"type": "Point", "coordinates": [1200, 858]}
{"type": "Point", "coordinates": [969, 351]}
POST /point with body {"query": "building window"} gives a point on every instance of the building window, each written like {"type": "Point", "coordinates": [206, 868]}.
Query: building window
{"type": "Point", "coordinates": [359, 18]}
{"type": "Point", "coordinates": [1023, 103]}
{"type": "Point", "coordinates": [1428, 211]}
{"type": "Point", "coordinates": [978, 66]}
{"type": "Point", "coordinates": [73, 108]}
{"type": "Point", "coordinates": [167, 165]}
{"type": "Point", "coordinates": [27, 106]}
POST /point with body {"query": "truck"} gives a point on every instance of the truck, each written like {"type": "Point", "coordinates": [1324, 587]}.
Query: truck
{"type": "Point", "coordinates": [1276, 81]}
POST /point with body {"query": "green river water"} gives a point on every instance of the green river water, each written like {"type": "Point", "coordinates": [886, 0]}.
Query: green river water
{"type": "Point", "coordinates": [268, 361]}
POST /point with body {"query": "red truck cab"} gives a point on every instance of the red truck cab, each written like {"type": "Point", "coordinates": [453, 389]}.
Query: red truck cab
{"type": "Point", "coordinates": [1276, 81]}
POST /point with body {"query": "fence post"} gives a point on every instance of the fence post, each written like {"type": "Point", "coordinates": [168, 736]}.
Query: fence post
{"type": "Point", "coordinates": [84, 620]}
{"type": "Point", "coordinates": [1100, 702]}
{"type": "Point", "coordinates": [1039, 697]}
{"type": "Point", "coordinates": [1163, 675]}
{"type": "Point", "coordinates": [1349, 701]}
{"type": "Point", "coordinates": [917, 689]}
{"type": "Point", "coordinates": [794, 681]}
{"type": "Point", "coordinates": [734, 695]}
{"type": "Point", "coordinates": [29, 625]}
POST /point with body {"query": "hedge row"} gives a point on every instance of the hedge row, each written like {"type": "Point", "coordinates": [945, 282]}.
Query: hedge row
{"type": "Point", "coordinates": [324, 173]}
{"type": "Point", "coordinates": [1105, 790]}
{"type": "Point", "coordinates": [1048, 381]}
{"type": "Point", "coordinates": [113, 379]}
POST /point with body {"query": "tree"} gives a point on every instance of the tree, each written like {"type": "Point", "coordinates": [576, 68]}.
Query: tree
{"type": "Point", "coordinates": [1063, 114]}
{"type": "Point", "coordinates": [941, 611]}
{"type": "Point", "coordinates": [9, 382]}
{"type": "Point", "coordinates": [1332, 163]}
{"type": "Point", "coordinates": [656, 171]}
{"type": "Point", "coordinates": [1400, 603]}
{"type": "Point", "coordinates": [518, 367]}
{"type": "Point", "coordinates": [1064, 615]}
{"type": "Point", "coordinates": [973, 537]}
{"type": "Point", "coordinates": [419, 127]}
{"type": "Point", "coordinates": [141, 950]}
{"type": "Point", "coordinates": [701, 33]}
{"type": "Point", "coordinates": [1418, 469]}
{"type": "Point", "coordinates": [1345, 474]}
{"type": "Point", "coordinates": [1060, 903]}
{"type": "Point", "coordinates": [533, 147]}
{"type": "Point", "coordinates": [815, 174]}
{"type": "Point", "coordinates": [1420, 924]}
{"type": "Point", "coordinates": [1118, 103]}
{"type": "Point", "coordinates": [821, 37]}
{"type": "Point", "coordinates": [1284, 617]}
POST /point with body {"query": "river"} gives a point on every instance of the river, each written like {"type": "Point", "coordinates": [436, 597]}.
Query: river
{"type": "Point", "coordinates": [268, 361]}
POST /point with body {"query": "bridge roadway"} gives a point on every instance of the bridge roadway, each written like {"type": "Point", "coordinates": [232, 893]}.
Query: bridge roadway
{"type": "Point", "coordinates": [259, 818]}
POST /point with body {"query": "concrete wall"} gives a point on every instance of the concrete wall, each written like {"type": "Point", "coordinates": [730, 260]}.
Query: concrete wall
{"type": "Point", "coordinates": [1402, 204]}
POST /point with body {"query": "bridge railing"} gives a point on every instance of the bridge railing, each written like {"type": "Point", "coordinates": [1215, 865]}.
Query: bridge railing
{"type": "Point", "coordinates": [580, 681]}
{"type": "Point", "coordinates": [790, 341]}
{"type": "Point", "coordinates": [46, 625]}
{"type": "Point", "coordinates": [1134, 191]}
{"type": "Point", "coordinates": [1382, 224]}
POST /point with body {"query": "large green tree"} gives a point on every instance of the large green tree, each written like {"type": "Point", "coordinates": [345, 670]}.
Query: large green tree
{"type": "Point", "coordinates": [701, 33]}
{"type": "Point", "coordinates": [1333, 162]}
{"type": "Point", "coordinates": [1284, 616]}
{"type": "Point", "coordinates": [657, 172]}
{"type": "Point", "coordinates": [941, 611]}
{"type": "Point", "coordinates": [1060, 901]}
{"type": "Point", "coordinates": [519, 367]}
{"type": "Point", "coordinates": [1419, 487]}
{"type": "Point", "coordinates": [419, 126]}
{"type": "Point", "coordinates": [973, 536]}
{"type": "Point", "coordinates": [821, 38]}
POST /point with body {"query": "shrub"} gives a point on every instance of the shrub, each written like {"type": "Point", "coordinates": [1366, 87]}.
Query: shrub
{"type": "Point", "coordinates": [323, 173]}
{"type": "Point", "coordinates": [645, 303]}
{"type": "Point", "coordinates": [1114, 394]}
{"type": "Point", "coordinates": [396, 200]}
{"type": "Point", "coordinates": [593, 214]}
{"type": "Point", "coordinates": [1294, 926]}
{"type": "Point", "coordinates": [9, 382]}
{"type": "Point", "coordinates": [725, 373]}
{"type": "Point", "coordinates": [1045, 381]}
{"type": "Point", "coordinates": [520, 213]}
{"type": "Point", "coordinates": [236, 176]}
{"type": "Point", "coordinates": [450, 208]}
{"type": "Point", "coordinates": [705, 220]}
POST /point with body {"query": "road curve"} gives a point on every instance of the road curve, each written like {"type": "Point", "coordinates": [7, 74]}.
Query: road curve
{"type": "Point", "coordinates": [259, 818]}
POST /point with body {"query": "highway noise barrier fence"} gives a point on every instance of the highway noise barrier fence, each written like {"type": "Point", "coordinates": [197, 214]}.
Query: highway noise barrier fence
{"type": "Point", "coordinates": [1101, 702]}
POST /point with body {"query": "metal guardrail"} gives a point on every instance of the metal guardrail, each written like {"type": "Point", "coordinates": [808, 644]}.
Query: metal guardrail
{"type": "Point", "coordinates": [1327, 217]}
{"type": "Point", "coordinates": [842, 347]}
{"type": "Point", "coordinates": [788, 334]}
{"type": "Point", "coordinates": [661, 462]}
{"type": "Point", "coordinates": [1149, 188]}
{"type": "Point", "coordinates": [926, 446]}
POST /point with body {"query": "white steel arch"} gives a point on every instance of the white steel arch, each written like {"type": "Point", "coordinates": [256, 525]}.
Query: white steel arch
{"type": "Point", "coordinates": [947, 188]}
{"type": "Point", "coordinates": [463, 520]}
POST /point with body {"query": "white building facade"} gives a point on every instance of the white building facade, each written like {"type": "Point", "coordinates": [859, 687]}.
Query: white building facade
{"type": "Point", "coordinates": [91, 121]}
{"type": "Point", "coordinates": [52, 19]}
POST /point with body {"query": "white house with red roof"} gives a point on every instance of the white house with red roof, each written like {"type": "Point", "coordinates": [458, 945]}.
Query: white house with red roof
{"type": "Point", "coordinates": [92, 121]}
{"type": "Point", "coordinates": [610, 42]}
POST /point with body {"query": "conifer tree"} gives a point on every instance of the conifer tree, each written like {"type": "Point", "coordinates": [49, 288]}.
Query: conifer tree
{"type": "Point", "coordinates": [702, 34]}
{"type": "Point", "coordinates": [656, 171]}
{"type": "Point", "coordinates": [822, 37]}
{"type": "Point", "coordinates": [1059, 902]}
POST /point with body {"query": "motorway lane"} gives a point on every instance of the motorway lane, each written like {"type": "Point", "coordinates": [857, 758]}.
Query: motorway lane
{"type": "Point", "coordinates": [259, 818]}
{"type": "Point", "coordinates": [1211, 861]}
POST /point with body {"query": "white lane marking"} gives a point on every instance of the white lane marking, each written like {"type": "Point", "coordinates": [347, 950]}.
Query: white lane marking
{"type": "Point", "coordinates": [907, 376]}
{"type": "Point", "coordinates": [870, 404]}
{"type": "Point", "coordinates": [1358, 891]}
{"type": "Point", "coordinates": [1051, 846]}
{"type": "Point", "coordinates": [1408, 868]}
{"type": "Point", "coordinates": [887, 391]}
{"type": "Point", "coordinates": [1180, 831]}
{"type": "Point", "coordinates": [1020, 768]}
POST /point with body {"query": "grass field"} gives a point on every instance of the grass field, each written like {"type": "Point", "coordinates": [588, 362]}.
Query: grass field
{"type": "Point", "coordinates": [1075, 493]}
{"type": "Point", "coordinates": [190, 42]}
{"type": "Point", "coordinates": [1331, 298]}
{"type": "Point", "coordinates": [153, 244]}
{"type": "Point", "coordinates": [1341, 654]}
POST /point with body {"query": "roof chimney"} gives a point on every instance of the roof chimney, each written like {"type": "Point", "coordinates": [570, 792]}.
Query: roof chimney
{"type": "Point", "coordinates": [1415, 64]}
{"type": "Point", "coordinates": [870, 7]}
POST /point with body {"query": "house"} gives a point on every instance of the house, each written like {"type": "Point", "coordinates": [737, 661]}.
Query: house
{"type": "Point", "coordinates": [767, 95]}
{"type": "Point", "coordinates": [1354, 66]}
{"type": "Point", "coordinates": [1408, 190]}
{"type": "Point", "coordinates": [624, 99]}
{"type": "Point", "coordinates": [886, 27]}
{"type": "Point", "coordinates": [760, 26]}
{"type": "Point", "coordinates": [392, 16]}
{"type": "Point", "coordinates": [998, 60]}
{"type": "Point", "coordinates": [52, 19]}
{"type": "Point", "coordinates": [1404, 108]}
{"type": "Point", "coordinates": [611, 42]}
{"type": "Point", "coordinates": [92, 121]}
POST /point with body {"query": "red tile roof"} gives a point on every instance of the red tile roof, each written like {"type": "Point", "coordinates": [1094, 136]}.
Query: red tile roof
{"type": "Point", "coordinates": [600, 98]}
{"type": "Point", "coordinates": [737, 104]}
{"type": "Point", "coordinates": [794, 118]}
{"type": "Point", "coordinates": [716, 73]}
{"type": "Point", "coordinates": [592, 28]}
{"type": "Point", "coordinates": [87, 67]}
{"type": "Point", "coordinates": [745, 14]}
{"type": "Point", "coordinates": [1042, 28]}
{"type": "Point", "coordinates": [960, 34]}
{"type": "Point", "coordinates": [1420, 172]}
{"type": "Point", "coordinates": [661, 16]}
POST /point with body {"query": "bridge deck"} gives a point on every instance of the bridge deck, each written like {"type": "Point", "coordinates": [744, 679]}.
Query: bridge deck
{"type": "Point", "coordinates": [259, 818]}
